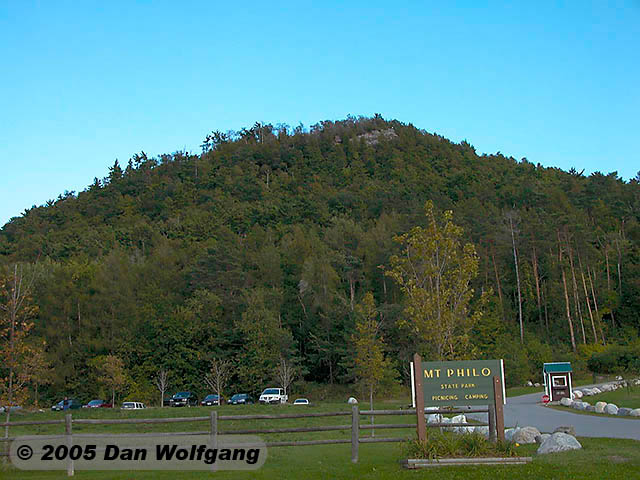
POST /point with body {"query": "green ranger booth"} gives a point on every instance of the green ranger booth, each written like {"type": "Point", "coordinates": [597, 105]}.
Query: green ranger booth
{"type": "Point", "coordinates": [557, 380]}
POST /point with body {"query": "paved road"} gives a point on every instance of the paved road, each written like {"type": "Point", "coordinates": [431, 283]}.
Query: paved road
{"type": "Point", "coordinates": [526, 410]}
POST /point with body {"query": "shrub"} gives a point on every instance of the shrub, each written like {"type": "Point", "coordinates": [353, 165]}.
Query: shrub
{"type": "Point", "coordinates": [450, 445]}
{"type": "Point", "coordinates": [616, 359]}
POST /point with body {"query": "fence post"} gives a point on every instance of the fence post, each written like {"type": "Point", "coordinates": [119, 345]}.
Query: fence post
{"type": "Point", "coordinates": [355, 431]}
{"type": "Point", "coordinates": [499, 407]}
{"type": "Point", "coordinates": [492, 422]}
{"type": "Point", "coordinates": [421, 424]}
{"type": "Point", "coordinates": [213, 433]}
{"type": "Point", "coordinates": [67, 431]}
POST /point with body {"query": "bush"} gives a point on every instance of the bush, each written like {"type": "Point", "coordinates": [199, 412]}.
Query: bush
{"type": "Point", "coordinates": [450, 445]}
{"type": "Point", "coordinates": [616, 359]}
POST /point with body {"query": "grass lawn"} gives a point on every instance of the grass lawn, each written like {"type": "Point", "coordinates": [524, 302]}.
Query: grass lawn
{"type": "Point", "coordinates": [600, 458]}
{"type": "Point", "coordinates": [622, 397]}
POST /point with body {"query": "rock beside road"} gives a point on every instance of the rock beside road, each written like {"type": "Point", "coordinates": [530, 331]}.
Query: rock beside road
{"type": "Point", "coordinates": [600, 406]}
{"type": "Point", "coordinates": [559, 442]}
{"type": "Point", "coordinates": [611, 409]}
{"type": "Point", "coordinates": [542, 437]}
{"type": "Point", "coordinates": [635, 412]}
{"type": "Point", "coordinates": [509, 433]}
{"type": "Point", "coordinates": [565, 401]}
{"type": "Point", "coordinates": [526, 435]}
{"type": "Point", "coordinates": [623, 412]}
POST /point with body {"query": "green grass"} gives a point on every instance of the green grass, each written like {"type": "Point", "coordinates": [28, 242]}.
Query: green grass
{"type": "Point", "coordinates": [600, 459]}
{"type": "Point", "coordinates": [577, 382]}
{"type": "Point", "coordinates": [623, 397]}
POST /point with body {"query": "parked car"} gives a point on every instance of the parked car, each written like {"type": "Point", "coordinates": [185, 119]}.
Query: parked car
{"type": "Point", "coordinates": [273, 395]}
{"type": "Point", "coordinates": [211, 399]}
{"type": "Point", "coordinates": [97, 404]}
{"type": "Point", "coordinates": [240, 399]}
{"type": "Point", "coordinates": [133, 405]}
{"type": "Point", "coordinates": [66, 404]}
{"type": "Point", "coordinates": [13, 408]}
{"type": "Point", "coordinates": [301, 401]}
{"type": "Point", "coordinates": [184, 399]}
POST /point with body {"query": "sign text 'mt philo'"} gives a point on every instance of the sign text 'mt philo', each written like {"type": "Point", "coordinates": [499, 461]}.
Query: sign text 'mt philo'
{"type": "Point", "coordinates": [468, 382]}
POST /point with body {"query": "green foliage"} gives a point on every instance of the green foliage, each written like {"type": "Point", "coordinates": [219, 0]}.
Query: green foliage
{"type": "Point", "coordinates": [370, 365]}
{"type": "Point", "coordinates": [435, 271]}
{"type": "Point", "coordinates": [263, 245]}
{"type": "Point", "coordinates": [616, 359]}
{"type": "Point", "coordinates": [449, 445]}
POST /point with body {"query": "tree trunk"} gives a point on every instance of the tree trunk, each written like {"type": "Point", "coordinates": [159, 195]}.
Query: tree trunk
{"type": "Point", "coordinates": [537, 279]}
{"type": "Point", "coordinates": [373, 434]}
{"type": "Point", "coordinates": [606, 256]}
{"type": "Point", "coordinates": [515, 261]}
{"type": "Point", "coordinates": [566, 295]}
{"type": "Point", "coordinates": [595, 304]}
{"type": "Point", "coordinates": [498, 286]}
{"type": "Point", "coordinates": [586, 297]}
{"type": "Point", "coordinates": [576, 297]}
{"type": "Point", "coordinates": [619, 268]}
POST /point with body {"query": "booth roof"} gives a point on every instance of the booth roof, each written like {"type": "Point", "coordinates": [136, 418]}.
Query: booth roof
{"type": "Point", "coordinates": [557, 367]}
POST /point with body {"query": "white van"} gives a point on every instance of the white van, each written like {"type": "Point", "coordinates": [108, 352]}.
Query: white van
{"type": "Point", "coordinates": [133, 406]}
{"type": "Point", "coordinates": [273, 395]}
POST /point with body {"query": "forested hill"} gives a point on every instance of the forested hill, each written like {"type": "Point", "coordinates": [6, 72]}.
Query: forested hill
{"type": "Point", "coordinates": [264, 243]}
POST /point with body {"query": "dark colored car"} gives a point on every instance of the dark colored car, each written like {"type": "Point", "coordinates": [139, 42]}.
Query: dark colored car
{"type": "Point", "coordinates": [211, 399]}
{"type": "Point", "coordinates": [97, 404]}
{"type": "Point", "coordinates": [184, 399]}
{"type": "Point", "coordinates": [241, 399]}
{"type": "Point", "coordinates": [66, 404]}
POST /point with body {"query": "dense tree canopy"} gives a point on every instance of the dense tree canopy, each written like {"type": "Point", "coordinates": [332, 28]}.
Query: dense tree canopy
{"type": "Point", "coordinates": [260, 247]}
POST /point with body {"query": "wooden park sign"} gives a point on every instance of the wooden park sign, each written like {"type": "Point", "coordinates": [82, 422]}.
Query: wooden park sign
{"type": "Point", "coordinates": [461, 383]}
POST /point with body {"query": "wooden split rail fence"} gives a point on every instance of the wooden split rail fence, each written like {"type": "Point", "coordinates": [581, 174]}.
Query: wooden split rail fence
{"type": "Point", "coordinates": [214, 419]}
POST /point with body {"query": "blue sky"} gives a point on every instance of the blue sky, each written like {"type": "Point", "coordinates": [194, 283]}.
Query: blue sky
{"type": "Point", "coordinates": [84, 83]}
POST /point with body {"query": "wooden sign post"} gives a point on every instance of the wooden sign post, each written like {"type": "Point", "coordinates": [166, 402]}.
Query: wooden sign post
{"type": "Point", "coordinates": [417, 378]}
{"type": "Point", "coordinates": [499, 407]}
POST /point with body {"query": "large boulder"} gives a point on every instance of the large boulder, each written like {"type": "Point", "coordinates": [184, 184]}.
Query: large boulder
{"type": "Point", "coordinates": [624, 412]}
{"type": "Point", "coordinates": [459, 419]}
{"type": "Point", "coordinates": [579, 405]}
{"type": "Point", "coordinates": [542, 437]}
{"type": "Point", "coordinates": [509, 433]}
{"type": "Point", "coordinates": [577, 393]}
{"type": "Point", "coordinates": [611, 409]}
{"type": "Point", "coordinates": [568, 429]}
{"type": "Point", "coordinates": [635, 412]}
{"type": "Point", "coordinates": [600, 406]}
{"type": "Point", "coordinates": [590, 408]}
{"type": "Point", "coordinates": [565, 401]}
{"type": "Point", "coordinates": [484, 431]}
{"type": "Point", "coordinates": [596, 391]}
{"type": "Point", "coordinates": [526, 435]}
{"type": "Point", "coordinates": [559, 442]}
{"type": "Point", "coordinates": [434, 418]}
{"type": "Point", "coordinates": [529, 384]}
{"type": "Point", "coordinates": [537, 385]}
